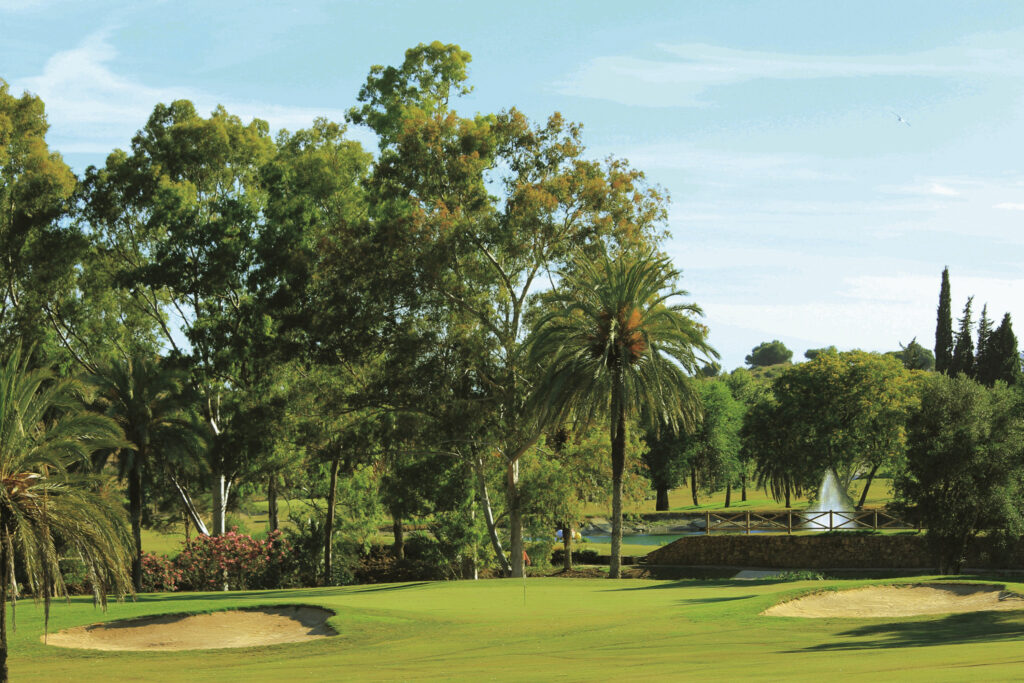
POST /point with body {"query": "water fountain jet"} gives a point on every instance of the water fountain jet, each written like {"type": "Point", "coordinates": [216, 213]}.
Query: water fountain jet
{"type": "Point", "coordinates": [831, 497]}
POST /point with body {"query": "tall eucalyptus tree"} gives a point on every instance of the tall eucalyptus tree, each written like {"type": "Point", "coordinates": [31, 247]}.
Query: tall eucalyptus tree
{"type": "Point", "coordinates": [181, 212]}
{"type": "Point", "coordinates": [487, 208]}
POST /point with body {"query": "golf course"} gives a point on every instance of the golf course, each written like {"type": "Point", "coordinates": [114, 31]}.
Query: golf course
{"type": "Point", "coordinates": [550, 628]}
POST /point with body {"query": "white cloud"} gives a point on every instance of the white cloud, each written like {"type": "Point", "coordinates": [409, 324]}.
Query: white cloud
{"type": "Point", "coordinates": [927, 187]}
{"type": "Point", "coordinates": [1010, 206]}
{"type": "Point", "coordinates": [92, 109]}
{"type": "Point", "coordinates": [692, 68]}
{"type": "Point", "coordinates": [942, 190]}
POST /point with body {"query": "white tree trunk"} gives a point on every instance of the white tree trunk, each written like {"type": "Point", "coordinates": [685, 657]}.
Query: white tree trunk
{"type": "Point", "coordinates": [515, 519]}
{"type": "Point", "coordinates": [221, 487]}
{"type": "Point", "coordinates": [190, 508]}
{"type": "Point", "coordinates": [492, 530]}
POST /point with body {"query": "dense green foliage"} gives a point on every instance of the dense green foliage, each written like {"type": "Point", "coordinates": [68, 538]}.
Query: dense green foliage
{"type": "Point", "coordinates": [842, 412]}
{"type": "Point", "coordinates": [998, 358]}
{"type": "Point", "coordinates": [962, 361]}
{"type": "Point", "coordinates": [914, 356]}
{"type": "Point", "coordinates": [944, 326]}
{"type": "Point", "coordinates": [995, 356]}
{"type": "Point", "coordinates": [965, 464]}
{"type": "Point", "coordinates": [768, 353]}
{"type": "Point", "coordinates": [614, 347]}
{"type": "Point", "coordinates": [38, 250]}
{"type": "Point", "coordinates": [144, 399]}
{"type": "Point", "coordinates": [451, 336]}
{"type": "Point", "coordinates": [49, 503]}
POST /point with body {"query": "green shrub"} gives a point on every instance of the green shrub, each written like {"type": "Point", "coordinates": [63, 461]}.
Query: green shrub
{"type": "Point", "coordinates": [801, 575]}
{"type": "Point", "coordinates": [159, 574]}
{"type": "Point", "coordinates": [578, 556]}
{"type": "Point", "coordinates": [237, 560]}
{"type": "Point", "coordinates": [305, 564]}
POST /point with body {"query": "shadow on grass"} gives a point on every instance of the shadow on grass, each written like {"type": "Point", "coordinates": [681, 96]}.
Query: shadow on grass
{"type": "Point", "coordinates": [705, 583]}
{"type": "Point", "coordinates": [682, 583]}
{"type": "Point", "coordinates": [212, 596]}
{"type": "Point", "coordinates": [978, 627]}
{"type": "Point", "coordinates": [388, 587]}
{"type": "Point", "coordinates": [701, 601]}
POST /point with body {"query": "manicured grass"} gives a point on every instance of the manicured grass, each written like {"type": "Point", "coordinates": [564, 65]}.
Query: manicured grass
{"type": "Point", "coordinates": [162, 543]}
{"type": "Point", "coordinates": [574, 629]}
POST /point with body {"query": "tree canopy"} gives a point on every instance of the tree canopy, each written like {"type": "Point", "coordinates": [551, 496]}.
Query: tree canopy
{"type": "Point", "coordinates": [965, 464]}
{"type": "Point", "coordinates": [768, 353]}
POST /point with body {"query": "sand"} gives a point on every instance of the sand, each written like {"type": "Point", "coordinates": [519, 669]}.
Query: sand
{"type": "Point", "coordinates": [236, 628]}
{"type": "Point", "coordinates": [900, 601]}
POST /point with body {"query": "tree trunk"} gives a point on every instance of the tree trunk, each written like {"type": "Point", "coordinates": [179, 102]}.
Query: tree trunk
{"type": "Point", "coordinates": [4, 585]}
{"type": "Point", "coordinates": [867, 485]}
{"type": "Point", "coordinates": [661, 505]}
{"type": "Point", "coordinates": [135, 511]}
{"type": "Point", "coordinates": [469, 563]}
{"type": "Point", "coordinates": [567, 547]}
{"type": "Point", "coordinates": [398, 549]}
{"type": "Point", "coordinates": [492, 530]}
{"type": "Point", "coordinates": [515, 520]}
{"type": "Point", "coordinates": [728, 494]}
{"type": "Point", "coordinates": [219, 488]}
{"type": "Point", "coordinates": [693, 485]}
{"type": "Point", "coordinates": [190, 508]}
{"type": "Point", "coordinates": [618, 465]}
{"type": "Point", "coordinates": [743, 489]}
{"type": "Point", "coordinates": [219, 483]}
{"type": "Point", "coordinates": [332, 497]}
{"type": "Point", "coordinates": [272, 503]}
{"type": "Point", "coordinates": [787, 497]}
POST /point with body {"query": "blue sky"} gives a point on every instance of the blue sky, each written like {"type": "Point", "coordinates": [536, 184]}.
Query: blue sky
{"type": "Point", "coordinates": [802, 208]}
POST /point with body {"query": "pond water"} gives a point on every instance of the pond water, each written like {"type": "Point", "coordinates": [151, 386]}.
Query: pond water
{"type": "Point", "coordinates": [639, 539]}
{"type": "Point", "coordinates": [655, 539]}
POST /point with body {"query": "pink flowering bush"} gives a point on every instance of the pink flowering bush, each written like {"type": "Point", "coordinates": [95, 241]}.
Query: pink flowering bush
{"type": "Point", "coordinates": [159, 574]}
{"type": "Point", "coordinates": [240, 560]}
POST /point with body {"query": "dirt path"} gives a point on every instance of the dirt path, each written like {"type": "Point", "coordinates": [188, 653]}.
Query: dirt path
{"type": "Point", "coordinates": [900, 601]}
{"type": "Point", "coordinates": [238, 628]}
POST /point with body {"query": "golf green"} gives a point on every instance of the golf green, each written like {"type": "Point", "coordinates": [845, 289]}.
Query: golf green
{"type": "Point", "coordinates": [547, 628]}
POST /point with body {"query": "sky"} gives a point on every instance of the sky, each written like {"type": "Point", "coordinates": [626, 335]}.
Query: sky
{"type": "Point", "coordinates": [825, 160]}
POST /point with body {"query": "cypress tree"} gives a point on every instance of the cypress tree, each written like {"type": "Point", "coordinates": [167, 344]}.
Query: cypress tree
{"type": "Point", "coordinates": [944, 327]}
{"type": "Point", "coordinates": [963, 350]}
{"type": "Point", "coordinates": [982, 357]}
{"type": "Point", "coordinates": [1004, 358]}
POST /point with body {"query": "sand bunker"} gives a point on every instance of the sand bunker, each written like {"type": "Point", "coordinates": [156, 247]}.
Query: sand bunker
{"type": "Point", "coordinates": [900, 601]}
{"type": "Point", "coordinates": [238, 628]}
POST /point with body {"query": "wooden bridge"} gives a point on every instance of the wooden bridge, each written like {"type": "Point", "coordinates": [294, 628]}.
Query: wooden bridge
{"type": "Point", "coordinates": [806, 520]}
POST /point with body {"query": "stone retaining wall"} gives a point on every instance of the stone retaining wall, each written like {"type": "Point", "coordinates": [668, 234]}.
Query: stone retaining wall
{"type": "Point", "coordinates": [825, 551]}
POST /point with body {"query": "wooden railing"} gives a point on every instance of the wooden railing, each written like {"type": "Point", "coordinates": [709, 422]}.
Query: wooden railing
{"type": "Point", "coordinates": [789, 521]}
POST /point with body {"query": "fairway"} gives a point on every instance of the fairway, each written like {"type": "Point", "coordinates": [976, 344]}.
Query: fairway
{"type": "Point", "coordinates": [564, 629]}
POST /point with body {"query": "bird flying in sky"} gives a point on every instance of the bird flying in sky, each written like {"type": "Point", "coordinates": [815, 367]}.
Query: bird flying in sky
{"type": "Point", "coordinates": [901, 119]}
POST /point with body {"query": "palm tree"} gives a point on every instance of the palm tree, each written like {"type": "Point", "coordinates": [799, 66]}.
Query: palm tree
{"type": "Point", "coordinates": [144, 398]}
{"type": "Point", "coordinates": [45, 504]}
{"type": "Point", "coordinates": [615, 344]}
